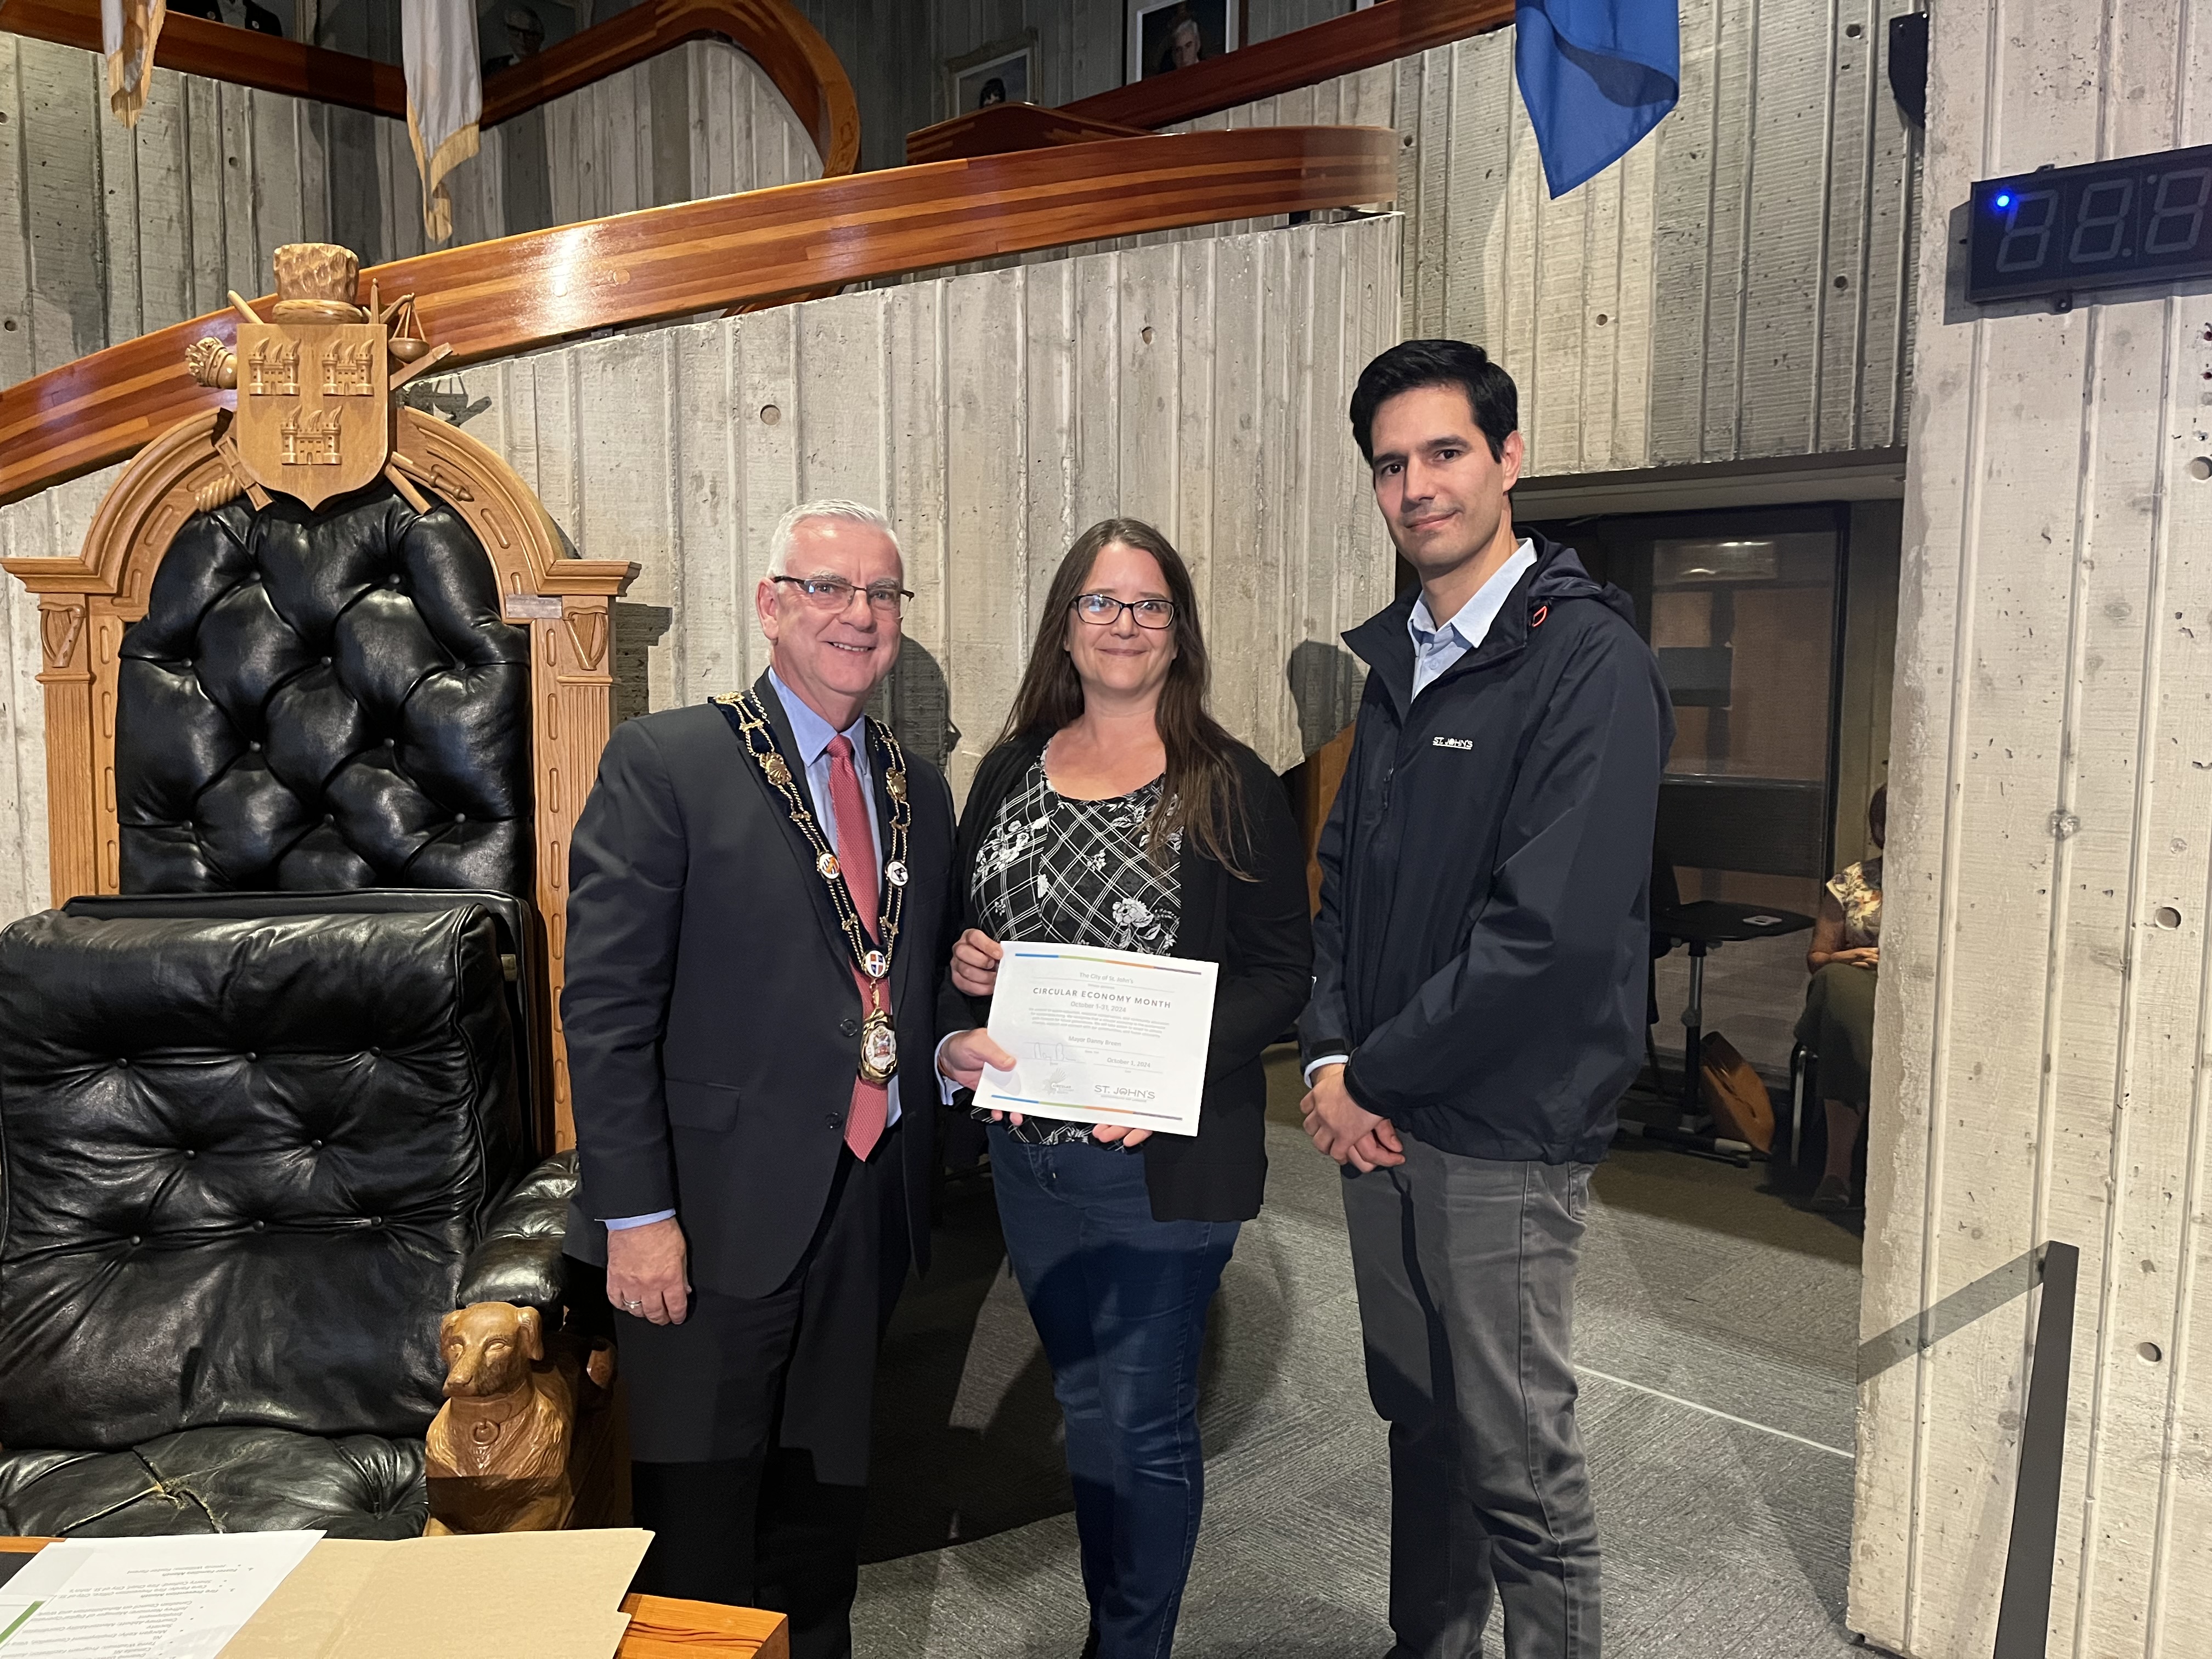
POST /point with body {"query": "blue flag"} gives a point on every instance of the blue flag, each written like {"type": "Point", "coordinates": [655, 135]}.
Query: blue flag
{"type": "Point", "coordinates": [1596, 75]}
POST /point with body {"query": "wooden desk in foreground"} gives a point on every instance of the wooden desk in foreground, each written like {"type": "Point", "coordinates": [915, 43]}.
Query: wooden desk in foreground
{"type": "Point", "coordinates": [660, 1627]}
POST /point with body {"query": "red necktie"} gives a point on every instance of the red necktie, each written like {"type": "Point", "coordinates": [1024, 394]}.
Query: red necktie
{"type": "Point", "coordinates": [856, 858]}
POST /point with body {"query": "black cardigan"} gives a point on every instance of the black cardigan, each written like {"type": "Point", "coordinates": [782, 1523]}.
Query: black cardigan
{"type": "Point", "coordinates": [1260, 931]}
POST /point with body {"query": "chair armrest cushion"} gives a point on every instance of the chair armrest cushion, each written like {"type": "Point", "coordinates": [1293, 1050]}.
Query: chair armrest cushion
{"type": "Point", "coordinates": [519, 1258]}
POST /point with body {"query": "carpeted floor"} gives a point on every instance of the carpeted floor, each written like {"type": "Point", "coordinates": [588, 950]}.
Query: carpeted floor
{"type": "Point", "coordinates": [1715, 1330]}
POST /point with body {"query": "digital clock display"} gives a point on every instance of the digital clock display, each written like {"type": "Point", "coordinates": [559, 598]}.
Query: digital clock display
{"type": "Point", "coordinates": [2121, 224]}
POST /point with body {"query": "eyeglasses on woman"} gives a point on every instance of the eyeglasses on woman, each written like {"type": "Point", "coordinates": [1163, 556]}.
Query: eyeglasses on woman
{"type": "Point", "coordinates": [1104, 611]}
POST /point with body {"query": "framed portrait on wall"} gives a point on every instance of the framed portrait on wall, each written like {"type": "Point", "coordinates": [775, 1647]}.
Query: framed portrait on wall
{"type": "Point", "coordinates": [979, 81]}
{"type": "Point", "coordinates": [1166, 35]}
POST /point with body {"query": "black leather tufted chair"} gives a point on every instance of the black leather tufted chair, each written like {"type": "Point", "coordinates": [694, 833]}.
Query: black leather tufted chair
{"type": "Point", "coordinates": [265, 1117]}
{"type": "Point", "coordinates": [324, 700]}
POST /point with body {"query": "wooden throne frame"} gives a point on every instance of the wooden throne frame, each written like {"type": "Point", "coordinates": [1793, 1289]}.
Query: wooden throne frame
{"type": "Point", "coordinates": [86, 602]}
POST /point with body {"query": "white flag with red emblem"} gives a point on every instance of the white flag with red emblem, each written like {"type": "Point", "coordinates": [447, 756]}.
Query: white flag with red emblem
{"type": "Point", "coordinates": [128, 29]}
{"type": "Point", "coordinates": [445, 97]}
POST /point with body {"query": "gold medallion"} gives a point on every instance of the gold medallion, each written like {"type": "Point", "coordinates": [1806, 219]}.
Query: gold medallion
{"type": "Point", "coordinates": [894, 785]}
{"type": "Point", "coordinates": [878, 1047]}
{"type": "Point", "coordinates": [827, 866]}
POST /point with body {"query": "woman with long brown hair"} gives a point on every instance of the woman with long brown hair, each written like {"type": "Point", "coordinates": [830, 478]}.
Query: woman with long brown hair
{"type": "Point", "coordinates": [1115, 811]}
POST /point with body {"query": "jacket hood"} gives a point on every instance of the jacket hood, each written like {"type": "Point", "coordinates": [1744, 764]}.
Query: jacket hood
{"type": "Point", "coordinates": [1560, 575]}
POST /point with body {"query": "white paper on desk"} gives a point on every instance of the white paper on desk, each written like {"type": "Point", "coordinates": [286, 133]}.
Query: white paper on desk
{"type": "Point", "coordinates": [1101, 1036]}
{"type": "Point", "coordinates": [143, 1598]}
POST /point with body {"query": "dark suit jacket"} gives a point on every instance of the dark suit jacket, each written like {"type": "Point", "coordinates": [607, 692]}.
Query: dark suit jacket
{"type": "Point", "coordinates": [711, 1015]}
{"type": "Point", "coordinates": [1260, 932]}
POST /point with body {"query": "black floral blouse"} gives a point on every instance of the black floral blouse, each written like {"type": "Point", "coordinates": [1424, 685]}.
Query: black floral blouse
{"type": "Point", "coordinates": [1063, 872]}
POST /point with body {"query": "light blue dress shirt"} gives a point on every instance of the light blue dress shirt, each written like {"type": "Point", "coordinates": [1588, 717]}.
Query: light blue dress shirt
{"type": "Point", "coordinates": [812, 735]}
{"type": "Point", "coordinates": [1436, 649]}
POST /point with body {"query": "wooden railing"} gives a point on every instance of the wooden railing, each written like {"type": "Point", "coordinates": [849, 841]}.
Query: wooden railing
{"type": "Point", "coordinates": [1382, 33]}
{"type": "Point", "coordinates": [496, 299]}
{"type": "Point", "coordinates": [772, 33]}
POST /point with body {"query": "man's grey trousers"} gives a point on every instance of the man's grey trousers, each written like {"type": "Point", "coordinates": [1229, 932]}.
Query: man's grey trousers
{"type": "Point", "coordinates": [1466, 1274]}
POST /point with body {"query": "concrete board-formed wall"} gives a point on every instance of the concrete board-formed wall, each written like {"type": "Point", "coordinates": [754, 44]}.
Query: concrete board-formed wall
{"type": "Point", "coordinates": [2042, 1031]}
{"type": "Point", "coordinates": [108, 231]}
{"type": "Point", "coordinates": [1197, 386]}
{"type": "Point", "coordinates": [1200, 387]}
{"type": "Point", "coordinates": [1737, 287]}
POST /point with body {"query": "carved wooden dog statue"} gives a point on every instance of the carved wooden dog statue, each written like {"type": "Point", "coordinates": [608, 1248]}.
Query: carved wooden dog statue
{"type": "Point", "coordinates": [498, 1451]}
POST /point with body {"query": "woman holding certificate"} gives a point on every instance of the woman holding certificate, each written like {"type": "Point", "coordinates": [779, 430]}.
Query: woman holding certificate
{"type": "Point", "coordinates": [1116, 814]}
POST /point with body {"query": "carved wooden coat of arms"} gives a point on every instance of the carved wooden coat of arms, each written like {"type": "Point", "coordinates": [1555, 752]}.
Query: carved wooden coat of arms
{"type": "Point", "coordinates": [315, 382]}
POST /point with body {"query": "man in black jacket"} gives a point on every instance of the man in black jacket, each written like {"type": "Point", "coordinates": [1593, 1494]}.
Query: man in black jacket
{"type": "Point", "coordinates": [1479, 1002]}
{"type": "Point", "coordinates": [755, 941]}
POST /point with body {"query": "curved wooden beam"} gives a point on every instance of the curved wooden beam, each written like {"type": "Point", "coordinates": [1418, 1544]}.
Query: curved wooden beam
{"type": "Point", "coordinates": [772, 33]}
{"type": "Point", "coordinates": [1386, 31]}
{"type": "Point", "coordinates": [496, 299]}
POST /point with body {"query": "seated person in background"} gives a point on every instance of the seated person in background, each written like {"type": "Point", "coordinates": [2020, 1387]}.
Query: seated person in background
{"type": "Point", "coordinates": [238, 13]}
{"type": "Point", "coordinates": [1838, 1024]}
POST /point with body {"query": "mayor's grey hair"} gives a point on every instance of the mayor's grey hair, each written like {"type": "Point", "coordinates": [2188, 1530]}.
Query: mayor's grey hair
{"type": "Point", "coordinates": [779, 540]}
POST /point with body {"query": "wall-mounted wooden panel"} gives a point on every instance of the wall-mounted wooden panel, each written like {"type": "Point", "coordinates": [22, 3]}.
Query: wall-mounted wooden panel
{"type": "Point", "coordinates": [1200, 386]}
{"type": "Point", "coordinates": [108, 231]}
{"type": "Point", "coordinates": [2042, 1028]}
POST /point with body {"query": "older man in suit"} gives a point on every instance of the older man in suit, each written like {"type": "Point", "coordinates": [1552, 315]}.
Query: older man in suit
{"type": "Point", "coordinates": [756, 914]}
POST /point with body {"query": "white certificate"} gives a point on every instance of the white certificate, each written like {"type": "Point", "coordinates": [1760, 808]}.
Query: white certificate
{"type": "Point", "coordinates": [1101, 1036]}
{"type": "Point", "coordinates": [143, 1598]}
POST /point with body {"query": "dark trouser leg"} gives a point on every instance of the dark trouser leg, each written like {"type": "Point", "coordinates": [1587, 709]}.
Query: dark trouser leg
{"type": "Point", "coordinates": [701, 1516]}
{"type": "Point", "coordinates": [1485, 1252]}
{"type": "Point", "coordinates": [1841, 1125]}
{"type": "Point", "coordinates": [1151, 1283]}
{"type": "Point", "coordinates": [1123, 1299]}
{"type": "Point", "coordinates": [702, 1402]}
{"type": "Point", "coordinates": [1440, 1588]}
{"type": "Point", "coordinates": [748, 1422]}
{"type": "Point", "coordinates": [810, 1554]}
{"type": "Point", "coordinates": [814, 1495]}
{"type": "Point", "coordinates": [1043, 1227]}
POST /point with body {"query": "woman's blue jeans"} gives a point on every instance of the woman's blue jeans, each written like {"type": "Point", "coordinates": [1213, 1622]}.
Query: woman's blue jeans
{"type": "Point", "coordinates": [1120, 1300]}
